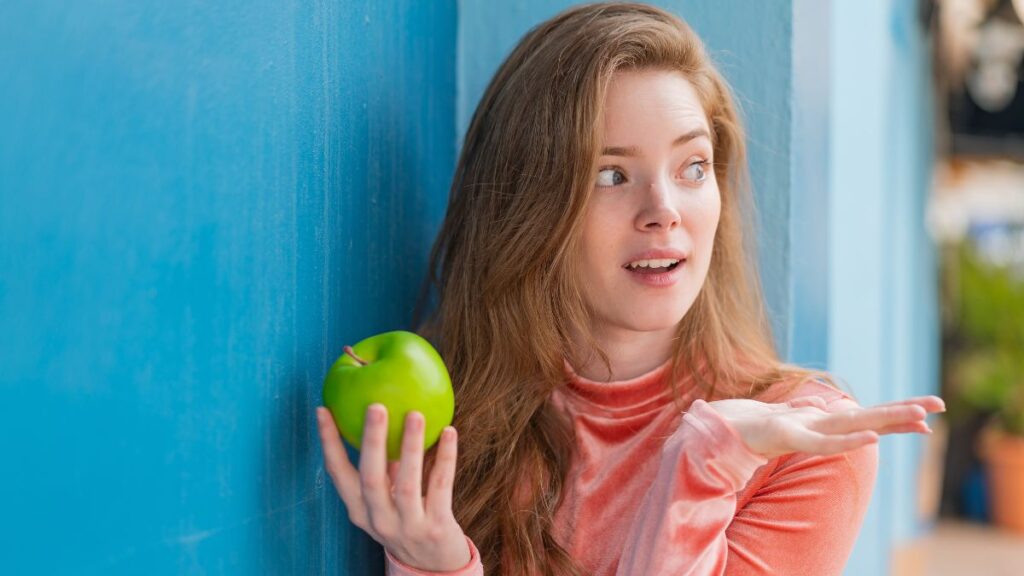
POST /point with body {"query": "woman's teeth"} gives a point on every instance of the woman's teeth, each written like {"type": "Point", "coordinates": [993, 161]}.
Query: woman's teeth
{"type": "Point", "coordinates": [663, 263]}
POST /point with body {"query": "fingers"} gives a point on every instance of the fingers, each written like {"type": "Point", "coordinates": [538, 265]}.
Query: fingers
{"type": "Point", "coordinates": [442, 476]}
{"type": "Point", "coordinates": [875, 418]}
{"type": "Point", "coordinates": [375, 484]}
{"type": "Point", "coordinates": [807, 401]}
{"type": "Point", "coordinates": [408, 491]}
{"type": "Point", "coordinates": [344, 476]}
{"type": "Point", "coordinates": [806, 440]}
{"type": "Point", "coordinates": [929, 403]}
{"type": "Point", "coordinates": [919, 427]}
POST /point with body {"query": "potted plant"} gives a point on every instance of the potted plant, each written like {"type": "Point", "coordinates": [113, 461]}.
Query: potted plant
{"type": "Point", "coordinates": [988, 370]}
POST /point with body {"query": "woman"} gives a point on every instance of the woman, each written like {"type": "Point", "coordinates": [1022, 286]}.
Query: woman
{"type": "Point", "coordinates": [596, 280]}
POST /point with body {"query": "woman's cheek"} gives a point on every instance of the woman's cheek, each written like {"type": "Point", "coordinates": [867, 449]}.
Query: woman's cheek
{"type": "Point", "coordinates": [714, 212]}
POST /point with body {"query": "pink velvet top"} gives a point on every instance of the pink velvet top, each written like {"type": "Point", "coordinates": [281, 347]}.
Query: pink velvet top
{"type": "Point", "coordinates": [653, 492]}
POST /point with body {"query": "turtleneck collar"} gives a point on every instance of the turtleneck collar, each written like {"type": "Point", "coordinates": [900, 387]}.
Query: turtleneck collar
{"type": "Point", "coordinates": [650, 389]}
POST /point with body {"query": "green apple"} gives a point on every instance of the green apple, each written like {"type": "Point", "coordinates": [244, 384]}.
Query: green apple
{"type": "Point", "coordinates": [398, 369]}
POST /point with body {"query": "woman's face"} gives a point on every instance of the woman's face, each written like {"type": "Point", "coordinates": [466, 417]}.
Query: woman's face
{"type": "Point", "coordinates": [654, 190]}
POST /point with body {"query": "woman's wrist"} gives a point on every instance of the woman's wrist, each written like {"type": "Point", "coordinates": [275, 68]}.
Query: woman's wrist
{"type": "Point", "coordinates": [454, 561]}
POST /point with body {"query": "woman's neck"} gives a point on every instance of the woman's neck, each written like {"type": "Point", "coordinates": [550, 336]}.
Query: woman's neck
{"type": "Point", "coordinates": [631, 354]}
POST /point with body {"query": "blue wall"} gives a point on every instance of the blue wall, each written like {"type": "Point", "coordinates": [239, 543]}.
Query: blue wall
{"type": "Point", "coordinates": [200, 204]}
{"type": "Point", "coordinates": [809, 176]}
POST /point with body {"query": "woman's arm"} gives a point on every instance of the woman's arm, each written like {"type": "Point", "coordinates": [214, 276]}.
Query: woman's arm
{"type": "Point", "coordinates": [816, 506]}
{"type": "Point", "coordinates": [804, 520]}
{"type": "Point", "coordinates": [680, 527]}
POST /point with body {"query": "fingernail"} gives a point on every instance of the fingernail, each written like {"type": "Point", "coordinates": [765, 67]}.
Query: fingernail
{"type": "Point", "coordinates": [414, 421]}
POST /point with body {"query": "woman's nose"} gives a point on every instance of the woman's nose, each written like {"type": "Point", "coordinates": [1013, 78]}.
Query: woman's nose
{"type": "Point", "coordinates": [658, 209]}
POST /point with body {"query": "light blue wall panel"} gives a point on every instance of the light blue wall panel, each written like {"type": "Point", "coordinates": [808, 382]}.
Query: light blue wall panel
{"type": "Point", "coordinates": [200, 204]}
{"type": "Point", "coordinates": [883, 332]}
{"type": "Point", "coordinates": [861, 237]}
{"type": "Point", "coordinates": [913, 303]}
{"type": "Point", "coordinates": [809, 188]}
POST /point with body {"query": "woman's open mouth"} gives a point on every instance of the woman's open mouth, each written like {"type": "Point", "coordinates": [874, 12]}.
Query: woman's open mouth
{"type": "Point", "coordinates": [656, 272]}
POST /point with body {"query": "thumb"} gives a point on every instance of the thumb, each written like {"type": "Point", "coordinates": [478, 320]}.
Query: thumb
{"type": "Point", "coordinates": [807, 401]}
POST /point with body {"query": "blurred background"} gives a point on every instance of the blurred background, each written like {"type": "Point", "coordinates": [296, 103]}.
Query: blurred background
{"type": "Point", "coordinates": [201, 204]}
{"type": "Point", "coordinates": [975, 217]}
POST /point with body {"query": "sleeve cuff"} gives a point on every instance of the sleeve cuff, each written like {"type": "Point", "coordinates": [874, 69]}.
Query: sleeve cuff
{"type": "Point", "coordinates": [473, 568]}
{"type": "Point", "coordinates": [736, 461]}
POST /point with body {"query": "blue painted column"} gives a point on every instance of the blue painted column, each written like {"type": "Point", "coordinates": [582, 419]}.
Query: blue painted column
{"type": "Point", "coordinates": [883, 332]}
{"type": "Point", "coordinates": [861, 237]}
{"type": "Point", "coordinates": [809, 196]}
{"type": "Point", "coordinates": [913, 306]}
{"type": "Point", "coordinates": [200, 204]}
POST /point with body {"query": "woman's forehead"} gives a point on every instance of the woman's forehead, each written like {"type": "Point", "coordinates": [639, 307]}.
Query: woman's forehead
{"type": "Point", "coordinates": [638, 103]}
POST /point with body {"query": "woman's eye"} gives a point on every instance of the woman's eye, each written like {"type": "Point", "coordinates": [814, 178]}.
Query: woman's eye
{"type": "Point", "coordinates": [610, 177]}
{"type": "Point", "coordinates": [696, 171]}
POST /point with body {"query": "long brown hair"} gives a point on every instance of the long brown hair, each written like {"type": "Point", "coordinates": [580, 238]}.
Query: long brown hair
{"type": "Point", "coordinates": [504, 267]}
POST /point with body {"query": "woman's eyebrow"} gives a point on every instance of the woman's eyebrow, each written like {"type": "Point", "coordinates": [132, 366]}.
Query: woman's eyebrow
{"type": "Point", "coordinates": [630, 151]}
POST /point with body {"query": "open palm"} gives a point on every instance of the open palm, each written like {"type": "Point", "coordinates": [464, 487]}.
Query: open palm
{"type": "Point", "coordinates": [803, 425]}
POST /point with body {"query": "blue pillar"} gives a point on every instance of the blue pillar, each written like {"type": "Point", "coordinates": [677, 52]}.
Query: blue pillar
{"type": "Point", "coordinates": [883, 332]}
{"type": "Point", "coordinates": [200, 204]}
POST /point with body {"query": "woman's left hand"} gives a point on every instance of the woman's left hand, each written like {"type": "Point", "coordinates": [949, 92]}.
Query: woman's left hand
{"type": "Point", "coordinates": [803, 425]}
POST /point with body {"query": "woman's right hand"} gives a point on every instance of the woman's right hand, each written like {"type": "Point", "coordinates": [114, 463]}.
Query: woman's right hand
{"type": "Point", "coordinates": [420, 533]}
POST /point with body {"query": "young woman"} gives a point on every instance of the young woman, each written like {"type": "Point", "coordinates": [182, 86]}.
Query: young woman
{"type": "Point", "coordinates": [620, 406]}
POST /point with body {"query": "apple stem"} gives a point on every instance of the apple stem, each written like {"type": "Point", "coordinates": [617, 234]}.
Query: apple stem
{"type": "Point", "coordinates": [352, 353]}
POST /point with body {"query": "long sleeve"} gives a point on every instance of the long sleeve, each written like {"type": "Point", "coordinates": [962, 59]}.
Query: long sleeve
{"type": "Point", "coordinates": [804, 519]}
{"type": "Point", "coordinates": [394, 567]}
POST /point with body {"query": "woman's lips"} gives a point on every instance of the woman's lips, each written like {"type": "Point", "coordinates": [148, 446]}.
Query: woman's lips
{"type": "Point", "coordinates": [658, 279]}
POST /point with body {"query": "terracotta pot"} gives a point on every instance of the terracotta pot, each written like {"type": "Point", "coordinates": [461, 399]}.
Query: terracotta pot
{"type": "Point", "coordinates": [1003, 455]}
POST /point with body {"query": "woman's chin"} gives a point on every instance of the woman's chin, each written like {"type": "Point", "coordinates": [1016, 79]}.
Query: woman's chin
{"type": "Point", "coordinates": [653, 322]}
